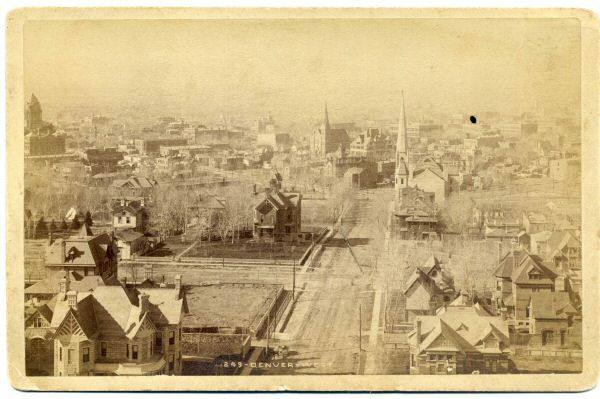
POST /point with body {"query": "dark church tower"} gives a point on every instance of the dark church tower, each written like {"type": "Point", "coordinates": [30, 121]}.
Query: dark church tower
{"type": "Point", "coordinates": [33, 114]}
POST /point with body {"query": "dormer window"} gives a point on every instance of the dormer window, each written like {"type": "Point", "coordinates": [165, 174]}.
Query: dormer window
{"type": "Point", "coordinates": [535, 276]}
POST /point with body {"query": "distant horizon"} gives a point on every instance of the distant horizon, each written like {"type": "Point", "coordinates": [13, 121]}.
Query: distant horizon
{"type": "Point", "coordinates": [291, 68]}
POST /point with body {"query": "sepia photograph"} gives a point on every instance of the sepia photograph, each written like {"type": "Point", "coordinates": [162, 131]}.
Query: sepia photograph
{"type": "Point", "coordinates": [297, 194]}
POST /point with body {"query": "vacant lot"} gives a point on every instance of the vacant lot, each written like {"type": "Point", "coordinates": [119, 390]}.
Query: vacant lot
{"type": "Point", "coordinates": [246, 249]}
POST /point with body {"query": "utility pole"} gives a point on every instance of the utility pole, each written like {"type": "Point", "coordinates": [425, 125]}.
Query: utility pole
{"type": "Point", "coordinates": [294, 281]}
{"type": "Point", "coordinates": [268, 327]}
{"type": "Point", "coordinates": [359, 330]}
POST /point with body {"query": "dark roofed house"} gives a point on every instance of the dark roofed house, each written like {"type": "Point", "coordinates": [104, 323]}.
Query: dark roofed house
{"type": "Point", "coordinates": [277, 217]}
{"type": "Point", "coordinates": [518, 275]}
{"type": "Point", "coordinates": [415, 215]}
{"type": "Point", "coordinates": [428, 288]}
{"type": "Point", "coordinates": [84, 253]}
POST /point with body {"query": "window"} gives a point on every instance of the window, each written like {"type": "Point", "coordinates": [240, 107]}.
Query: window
{"type": "Point", "coordinates": [38, 322]}
{"type": "Point", "coordinates": [412, 360]}
{"type": "Point", "coordinates": [120, 219]}
{"type": "Point", "coordinates": [127, 352]}
{"type": "Point", "coordinates": [86, 355]}
{"type": "Point", "coordinates": [171, 337]}
{"type": "Point", "coordinates": [440, 367]}
{"type": "Point", "coordinates": [127, 220]}
{"type": "Point", "coordinates": [449, 357]}
{"type": "Point", "coordinates": [70, 354]}
{"type": "Point", "coordinates": [158, 340]}
{"type": "Point", "coordinates": [103, 349]}
{"type": "Point", "coordinates": [60, 353]}
{"type": "Point", "coordinates": [134, 352]}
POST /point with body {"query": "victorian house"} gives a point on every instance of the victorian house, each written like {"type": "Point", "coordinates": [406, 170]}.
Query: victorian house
{"type": "Point", "coordinates": [114, 330]}
{"type": "Point", "coordinates": [277, 217]}
{"type": "Point", "coordinates": [429, 288]}
{"type": "Point", "coordinates": [460, 339]}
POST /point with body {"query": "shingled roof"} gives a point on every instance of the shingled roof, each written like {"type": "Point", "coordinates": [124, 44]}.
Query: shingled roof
{"type": "Point", "coordinates": [462, 329]}
{"type": "Point", "coordinates": [110, 311]}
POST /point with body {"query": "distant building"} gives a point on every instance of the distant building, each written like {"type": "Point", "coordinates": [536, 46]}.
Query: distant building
{"type": "Point", "coordinates": [564, 169]}
{"type": "Point", "coordinates": [360, 178]}
{"type": "Point", "coordinates": [131, 243]}
{"type": "Point", "coordinates": [278, 216]}
{"type": "Point", "coordinates": [326, 139]}
{"type": "Point", "coordinates": [129, 213]}
{"type": "Point", "coordinates": [372, 145]}
{"type": "Point", "coordinates": [40, 137]}
{"type": "Point", "coordinates": [152, 146]}
{"type": "Point", "coordinates": [535, 222]}
{"type": "Point", "coordinates": [111, 331]}
{"type": "Point", "coordinates": [460, 339]}
{"type": "Point", "coordinates": [33, 115]}
{"type": "Point", "coordinates": [102, 161]}
{"type": "Point", "coordinates": [39, 145]}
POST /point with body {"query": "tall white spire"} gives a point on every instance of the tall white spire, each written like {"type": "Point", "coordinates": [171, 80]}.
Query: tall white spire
{"type": "Point", "coordinates": [402, 141]}
{"type": "Point", "coordinates": [402, 172]}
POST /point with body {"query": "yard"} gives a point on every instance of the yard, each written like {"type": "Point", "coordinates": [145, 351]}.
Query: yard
{"type": "Point", "coordinates": [248, 249]}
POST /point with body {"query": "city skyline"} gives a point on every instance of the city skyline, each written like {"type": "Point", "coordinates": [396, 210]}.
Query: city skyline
{"type": "Point", "coordinates": [291, 68]}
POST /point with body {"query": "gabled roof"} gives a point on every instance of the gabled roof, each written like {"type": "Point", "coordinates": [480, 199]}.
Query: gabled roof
{"type": "Point", "coordinates": [436, 170]}
{"type": "Point", "coordinates": [128, 235]}
{"type": "Point", "coordinates": [533, 264]}
{"type": "Point", "coordinates": [559, 240]}
{"type": "Point", "coordinates": [112, 311]}
{"type": "Point", "coordinates": [464, 327]}
{"type": "Point", "coordinates": [440, 284]}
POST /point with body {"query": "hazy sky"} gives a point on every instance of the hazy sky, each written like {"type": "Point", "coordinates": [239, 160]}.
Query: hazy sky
{"type": "Point", "coordinates": [291, 67]}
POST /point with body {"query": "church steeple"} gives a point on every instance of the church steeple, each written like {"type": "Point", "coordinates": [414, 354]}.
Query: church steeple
{"type": "Point", "coordinates": [402, 141]}
{"type": "Point", "coordinates": [326, 120]}
{"type": "Point", "coordinates": [402, 171]}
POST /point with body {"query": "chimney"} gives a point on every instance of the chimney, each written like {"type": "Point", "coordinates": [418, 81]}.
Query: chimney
{"type": "Point", "coordinates": [148, 272]}
{"type": "Point", "coordinates": [144, 303]}
{"type": "Point", "coordinates": [63, 251]}
{"type": "Point", "coordinates": [418, 333]}
{"type": "Point", "coordinates": [178, 283]}
{"type": "Point", "coordinates": [63, 286]}
{"type": "Point", "coordinates": [72, 299]}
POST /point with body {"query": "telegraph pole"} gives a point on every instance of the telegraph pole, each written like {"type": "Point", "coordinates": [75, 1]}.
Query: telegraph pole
{"type": "Point", "coordinates": [294, 280]}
